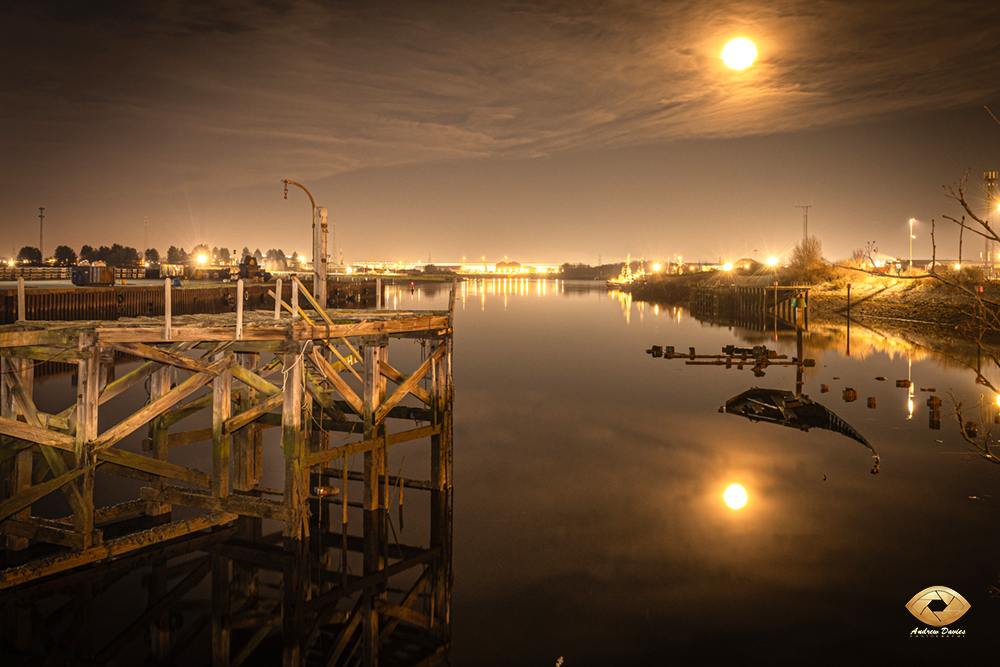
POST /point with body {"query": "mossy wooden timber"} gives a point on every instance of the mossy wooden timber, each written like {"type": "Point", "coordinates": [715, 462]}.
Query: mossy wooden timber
{"type": "Point", "coordinates": [322, 372]}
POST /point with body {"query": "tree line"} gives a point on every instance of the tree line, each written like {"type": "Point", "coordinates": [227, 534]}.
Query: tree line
{"type": "Point", "coordinates": [123, 256]}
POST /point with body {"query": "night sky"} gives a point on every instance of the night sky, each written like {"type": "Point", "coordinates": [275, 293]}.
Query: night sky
{"type": "Point", "coordinates": [543, 131]}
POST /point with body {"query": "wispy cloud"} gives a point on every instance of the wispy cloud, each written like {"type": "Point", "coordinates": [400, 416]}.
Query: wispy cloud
{"type": "Point", "coordinates": [240, 92]}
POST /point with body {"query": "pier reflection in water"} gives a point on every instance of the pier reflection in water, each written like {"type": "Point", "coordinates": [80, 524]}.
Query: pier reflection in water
{"type": "Point", "coordinates": [225, 597]}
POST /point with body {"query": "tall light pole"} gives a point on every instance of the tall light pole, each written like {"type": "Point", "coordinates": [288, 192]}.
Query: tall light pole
{"type": "Point", "coordinates": [910, 265]}
{"type": "Point", "coordinates": [41, 220]}
{"type": "Point", "coordinates": [319, 244]}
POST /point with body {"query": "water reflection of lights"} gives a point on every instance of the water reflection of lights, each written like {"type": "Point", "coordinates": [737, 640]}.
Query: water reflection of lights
{"type": "Point", "coordinates": [735, 496]}
{"type": "Point", "coordinates": [909, 390]}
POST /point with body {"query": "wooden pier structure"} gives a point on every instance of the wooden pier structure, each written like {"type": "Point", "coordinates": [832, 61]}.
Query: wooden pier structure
{"type": "Point", "coordinates": [266, 513]}
{"type": "Point", "coordinates": [756, 307]}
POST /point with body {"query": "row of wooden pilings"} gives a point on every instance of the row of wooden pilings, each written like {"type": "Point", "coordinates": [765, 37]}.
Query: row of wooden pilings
{"type": "Point", "coordinates": [754, 307]}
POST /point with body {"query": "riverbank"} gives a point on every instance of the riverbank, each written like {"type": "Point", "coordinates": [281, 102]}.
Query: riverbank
{"type": "Point", "coordinates": [895, 302]}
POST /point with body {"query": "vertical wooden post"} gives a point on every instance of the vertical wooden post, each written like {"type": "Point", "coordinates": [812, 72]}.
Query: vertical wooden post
{"type": "Point", "coordinates": [87, 388]}
{"type": "Point", "coordinates": [374, 517]}
{"type": "Point", "coordinates": [295, 530]}
{"type": "Point", "coordinates": [441, 397]}
{"type": "Point", "coordinates": [21, 314]}
{"type": "Point", "coordinates": [277, 299]}
{"type": "Point", "coordinates": [159, 433]}
{"type": "Point", "coordinates": [167, 333]}
{"type": "Point", "coordinates": [17, 472]}
{"type": "Point", "coordinates": [245, 575]}
{"type": "Point", "coordinates": [319, 256]}
{"type": "Point", "coordinates": [293, 443]}
{"type": "Point", "coordinates": [239, 309]}
{"type": "Point", "coordinates": [295, 300]}
{"type": "Point", "coordinates": [222, 387]}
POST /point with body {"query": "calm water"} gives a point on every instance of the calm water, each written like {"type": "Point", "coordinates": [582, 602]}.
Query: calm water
{"type": "Point", "coordinates": [589, 519]}
{"type": "Point", "coordinates": [589, 522]}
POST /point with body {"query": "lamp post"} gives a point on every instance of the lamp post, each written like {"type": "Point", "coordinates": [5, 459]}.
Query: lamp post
{"type": "Point", "coordinates": [319, 245]}
{"type": "Point", "coordinates": [910, 265]}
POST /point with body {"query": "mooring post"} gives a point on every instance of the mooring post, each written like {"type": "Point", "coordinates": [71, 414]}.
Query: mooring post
{"type": "Point", "coordinates": [295, 530]}
{"type": "Point", "coordinates": [222, 389]}
{"type": "Point", "coordinates": [239, 309]}
{"type": "Point", "coordinates": [87, 397]}
{"type": "Point", "coordinates": [374, 517]}
{"type": "Point", "coordinates": [246, 575]}
{"type": "Point", "coordinates": [277, 299]}
{"type": "Point", "coordinates": [319, 257]}
{"type": "Point", "coordinates": [159, 433]}
{"type": "Point", "coordinates": [20, 300]}
{"type": "Point", "coordinates": [167, 333]}
{"type": "Point", "coordinates": [441, 482]}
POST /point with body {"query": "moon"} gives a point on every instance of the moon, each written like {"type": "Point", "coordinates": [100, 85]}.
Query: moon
{"type": "Point", "coordinates": [735, 496]}
{"type": "Point", "coordinates": [739, 53]}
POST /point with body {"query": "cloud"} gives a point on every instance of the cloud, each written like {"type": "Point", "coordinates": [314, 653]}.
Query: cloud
{"type": "Point", "coordinates": [236, 93]}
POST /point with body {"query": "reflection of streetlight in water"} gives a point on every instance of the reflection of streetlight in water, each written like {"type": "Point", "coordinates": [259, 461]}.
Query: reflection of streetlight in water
{"type": "Point", "coordinates": [909, 389]}
{"type": "Point", "coordinates": [735, 496]}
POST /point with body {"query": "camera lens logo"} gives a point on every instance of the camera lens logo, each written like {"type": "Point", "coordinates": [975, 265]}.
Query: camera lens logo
{"type": "Point", "coordinates": [938, 606]}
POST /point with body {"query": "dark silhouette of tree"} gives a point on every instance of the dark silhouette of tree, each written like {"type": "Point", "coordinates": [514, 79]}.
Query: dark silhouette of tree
{"type": "Point", "coordinates": [88, 253]}
{"type": "Point", "coordinates": [176, 255]}
{"type": "Point", "coordinates": [65, 256]}
{"type": "Point", "coordinates": [224, 255]}
{"type": "Point", "coordinates": [246, 251]}
{"type": "Point", "coordinates": [30, 255]}
{"type": "Point", "coordinates": [152, 255]}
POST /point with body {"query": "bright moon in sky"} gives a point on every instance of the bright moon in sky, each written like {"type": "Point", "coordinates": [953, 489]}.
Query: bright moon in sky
{"type": "Point", "coordinates": [735, 496]}
{"type": "Point", "coordinates": [739, 53]}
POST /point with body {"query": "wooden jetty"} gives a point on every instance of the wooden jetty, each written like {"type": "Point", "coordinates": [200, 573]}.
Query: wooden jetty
{"type": "Point", "coordinates": [322, 378]}
{"type": "Point", "coordinates": [757, 307]}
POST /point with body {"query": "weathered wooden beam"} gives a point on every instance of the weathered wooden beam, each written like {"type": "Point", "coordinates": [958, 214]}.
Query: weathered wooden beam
{"type": "Point", "coordinates": [397, 377]}
{"type": "Point", "coordinates": [36, 493]}
{"type": "Point", "coordinates": [333, 377]}
{"type": "Point", "coordinates": [239, 421]}
{"type": "Point", "coordinates": [189, 437]}
{"type": "Point", "coordinates": [251, 379]}
{"type": "Point", "coordinates": [155, 467]}
{"type": "Point", "coordinates": [42, 353]}
{"type": "Point", "coordinates": [168, 358]}
{"type": "Point", "coordinates": [408, 385]}
{"type": "Point", "coordinates": [236, 503]}
{"type": "Point", "coordinates": [37, 435]}
{"type": "Point", "coordinates": [111, 548]}
{"type": "Point", "coordinates": [328, 406]}
{"type": "Point", "coordinates": [403, 613]}
{"type": "Point", "coordinates": [33, 529]}
{"type": "Point", "coordinates": [161, 405]}
{"type": "Point", "coordinates": [392, 480]}
{"type": "Point", "coordinates": [367, 445]}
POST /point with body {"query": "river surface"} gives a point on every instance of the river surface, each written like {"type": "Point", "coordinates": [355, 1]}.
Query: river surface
{"type": "Point", "coordinates": [589, 478]}
{"type": "Point", "coordinates": [589, 520]}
